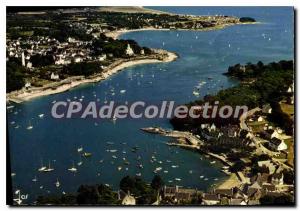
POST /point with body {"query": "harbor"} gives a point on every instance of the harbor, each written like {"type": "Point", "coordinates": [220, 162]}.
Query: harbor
{"type": "Point", "coordinates": [118, 147]}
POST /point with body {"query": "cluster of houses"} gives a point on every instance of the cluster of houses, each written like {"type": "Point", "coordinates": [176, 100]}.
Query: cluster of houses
{"type": "Point", "coordinates": [247, 194]}
{"type": "Point", "coordinates": [63, 53]}
{"type": "Point", "coordinates": [230, 133]}
{"type": "Point", "coordinates": [273, 136]}
{"type": "Point", "coordinates": [257, 186]}
{"type": "Point", "coordinates": [253, 187]}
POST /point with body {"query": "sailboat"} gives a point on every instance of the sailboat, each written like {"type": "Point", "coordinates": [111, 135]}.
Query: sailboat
{"type": "Point", "coordinates": [49, 169]}
{"type": "Point", "coordinates": [29, 127]}
{"type": "Point", "coordinates": [87, 154]}
{"type": "Point", "coordinates": [57, 184]}
{"type": "Point", "coordinates": [42, 168]}
{"type": "Point", "coordinates": [80, 149]}
{"type": "Point", "coordinates": [196, 93]}
{"type": "Point", "coordinates": [34, 179]}
{"type": "Point", "coordinates": [72, 169]}
{"type": "Point", "coordinates": [114, 118]}
{"type": "Point", "coordinates": [80, 161]}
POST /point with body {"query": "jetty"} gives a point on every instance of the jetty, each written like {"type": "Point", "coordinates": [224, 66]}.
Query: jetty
{"type": "Point", "coordinates": [187, 136]}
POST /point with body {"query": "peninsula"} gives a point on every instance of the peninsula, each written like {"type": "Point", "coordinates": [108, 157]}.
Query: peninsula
{"type": "Point", "coordinates": [51, 51]}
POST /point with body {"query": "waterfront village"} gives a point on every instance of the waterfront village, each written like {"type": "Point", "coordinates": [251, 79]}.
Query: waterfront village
{"type": "Point", "coordinates": [259, 162]}
{"type": "Point", "coordinates": [257, 150]}
{"type": "Point", "coordinates": [46, 50]}
{"type": "Point", "coordinates": [257, 155]}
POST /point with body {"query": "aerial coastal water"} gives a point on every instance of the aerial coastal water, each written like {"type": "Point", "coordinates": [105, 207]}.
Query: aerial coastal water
{"type": "Point", "coordinates": [202, 55]}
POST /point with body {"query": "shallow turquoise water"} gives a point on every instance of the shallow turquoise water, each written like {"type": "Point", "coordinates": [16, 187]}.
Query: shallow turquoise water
{"type": "Point", "coordinates": [201, 55]}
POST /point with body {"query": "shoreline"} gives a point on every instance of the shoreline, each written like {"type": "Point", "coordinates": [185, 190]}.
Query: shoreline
{"type": "Point", "coordinates": [231, 181]}
{"type": "Point", "coordinates": [116, 34]}
{"type": "Point", "coordinates": [20, 96]}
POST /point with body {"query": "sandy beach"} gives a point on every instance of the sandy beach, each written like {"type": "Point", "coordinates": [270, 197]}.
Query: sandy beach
{"type": "Point", "coordinates": [117, 33]}
{"type": "Point", "coordinates": [231, 182]}
{"type": "Point", "coordinates": [69, 83]}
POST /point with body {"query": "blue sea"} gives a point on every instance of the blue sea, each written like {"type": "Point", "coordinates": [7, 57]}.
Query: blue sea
{"type": "Point", "coordinates": [202, 55]}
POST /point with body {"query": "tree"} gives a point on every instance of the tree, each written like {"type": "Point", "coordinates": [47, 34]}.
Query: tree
{"type": "Point", "coordinates": [14, 76]}
{"type": "Point", "coordinates": [238, 166]}
{"type": "Point", "coordinates": [39, 60]}
{"type": "Point", "coordinates": [97, 194]}
{"type": "Point", "coordinates": [284, 199]}
{"type": "Point", "coordinates": [67, 199]}
{"type": "Point", "coordinates": [157, 182]}
{"type": "Point", "coordinates": [127, 184]}
{"type": "Point", "coordinates": [144, 193]}
{"type": "Point", "coordinates": [83, 68]}
{"type": "Point", "coordinates": [288, 177]}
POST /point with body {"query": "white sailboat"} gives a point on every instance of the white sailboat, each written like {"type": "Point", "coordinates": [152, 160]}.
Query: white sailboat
{"type": "Point", "coordinates": [80, 149]}
{"type": "Point", "coordinates": [29, 127]}
{"type": "Point", "coordinates": [80, 161]}
{"type": "Point", "coordinates": [73, 168]}
{"type": "Point", "coordinates": [42, 168]}
{"type": "Point", "coordinates": [49, 169]}
{"type": "Point", "coordinates": [196, 93]}
{"type": "Point", "coordinates": [34, 179]}
{"type": "Point", "coordinates": [114, 119]}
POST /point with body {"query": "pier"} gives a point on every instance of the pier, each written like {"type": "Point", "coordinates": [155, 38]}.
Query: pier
{"type": "Point", "coordinates": [187, 136]}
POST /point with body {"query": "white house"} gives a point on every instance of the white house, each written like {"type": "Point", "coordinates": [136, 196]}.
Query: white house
{"type": "Point", "coordinates": [277, 144]}
{"type": "Point", "coordinates": [102, 57]}
{"type": "Point", "coordinates": [275, 134]}
{"type": "Point", "coordinates": [260, 119]}
{"type": "Point", "coordinates": [70, 39]}
{"type": "Point", "coordinates": [27, 85]}
{"type": "Point", "coordinates": [277, 179]}
{"type": "Point", "coordinates": [267, 109]}
{"type": "Point", "coordinates": [128, 200]}
{"type": "Point", "coordinates": [78, 59]}
{"type": "Point", "coordinates": [268, 164]}
{"type": "Point", "coordinates": [210, 199]}
{"type": "Point", "coordinates": [129, 51]}
{"type": "Point", "coordinates": [213, 127]}
{"type": "Point", "coordinates": [54, 76]}
{"type": "Point", "coordinates": [204, 126]}
{"type": "Point", "coordinates": [29, 65]}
